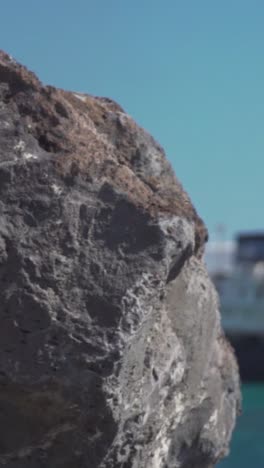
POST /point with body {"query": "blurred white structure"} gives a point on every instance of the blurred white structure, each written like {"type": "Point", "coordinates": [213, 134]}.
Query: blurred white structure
{"type": "Point", "coordinates": [237, 269]}
{"type": "Point", "coordinates": [220, 256]}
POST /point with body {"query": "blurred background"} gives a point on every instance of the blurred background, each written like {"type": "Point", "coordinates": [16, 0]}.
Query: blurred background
{"type": "Point", "coordinates": [190, 72]}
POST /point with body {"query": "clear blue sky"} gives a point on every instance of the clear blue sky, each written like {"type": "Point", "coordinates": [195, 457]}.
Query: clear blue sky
{"type": "Point", "coordinates": [189, 71]}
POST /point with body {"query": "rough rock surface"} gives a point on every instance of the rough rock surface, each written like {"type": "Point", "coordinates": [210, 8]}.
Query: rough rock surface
{"type": "Point", "coordinates": [112, 353]}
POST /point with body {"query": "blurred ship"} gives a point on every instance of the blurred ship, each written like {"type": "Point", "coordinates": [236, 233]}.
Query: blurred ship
{"type": "Point", "coordinates": [237, 270]}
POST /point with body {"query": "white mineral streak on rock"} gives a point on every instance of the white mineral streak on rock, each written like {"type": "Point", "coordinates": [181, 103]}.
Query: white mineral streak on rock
{"type": "Point", "coordinates": [57, 189]}
{"type": "Point", "coordinates": [163, 441]}
{"type": "Point", "coordinates": [158, 360]}
{"type": "Point", "coordinates": [159, 456]}
{"type": "Point", "coordinates": [29, 156]}
{"type": "Point", "coordinates": [212, 420]}
{"type": "Point", "coordinates": [20, 146]}
{"type": "Point", "coordinates": [80, 96]}
{"type": "Point", "coordinates": [134, 302]}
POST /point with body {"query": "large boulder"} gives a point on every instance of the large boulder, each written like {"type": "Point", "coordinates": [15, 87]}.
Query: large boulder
{"type": "Point", "coordinates": [112, 352]}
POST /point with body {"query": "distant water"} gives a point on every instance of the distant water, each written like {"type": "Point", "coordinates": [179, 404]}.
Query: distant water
{"type": "Point", "coordinates": [247, 448]}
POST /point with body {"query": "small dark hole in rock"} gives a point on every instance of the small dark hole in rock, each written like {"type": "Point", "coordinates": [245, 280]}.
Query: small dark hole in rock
{"type": "Point", "coordinates": [90, 430]}
{"type": "Point", "coordinates": [61, 110]}
{"type": "Point", "coordinates": [25, 331]}
{"type": "Point", "coordinates": [155, 375]}
{"type": "Point", "coordinates": [47, 145]}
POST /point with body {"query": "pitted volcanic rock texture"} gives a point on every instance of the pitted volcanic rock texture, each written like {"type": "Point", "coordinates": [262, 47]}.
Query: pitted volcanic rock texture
{"type": "Point", "coordinates": [111, 348]}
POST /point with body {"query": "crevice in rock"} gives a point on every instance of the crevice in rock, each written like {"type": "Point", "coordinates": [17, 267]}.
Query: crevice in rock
{"type": "Point", "coordinates": [178, 262]}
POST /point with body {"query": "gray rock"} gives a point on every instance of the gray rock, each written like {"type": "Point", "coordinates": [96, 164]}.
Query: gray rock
{"type": "Point", "coordinates": [112, 353]}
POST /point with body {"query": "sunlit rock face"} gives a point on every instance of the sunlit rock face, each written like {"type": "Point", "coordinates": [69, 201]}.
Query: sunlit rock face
{"type": "Point", "coordinates": [112, 353]}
